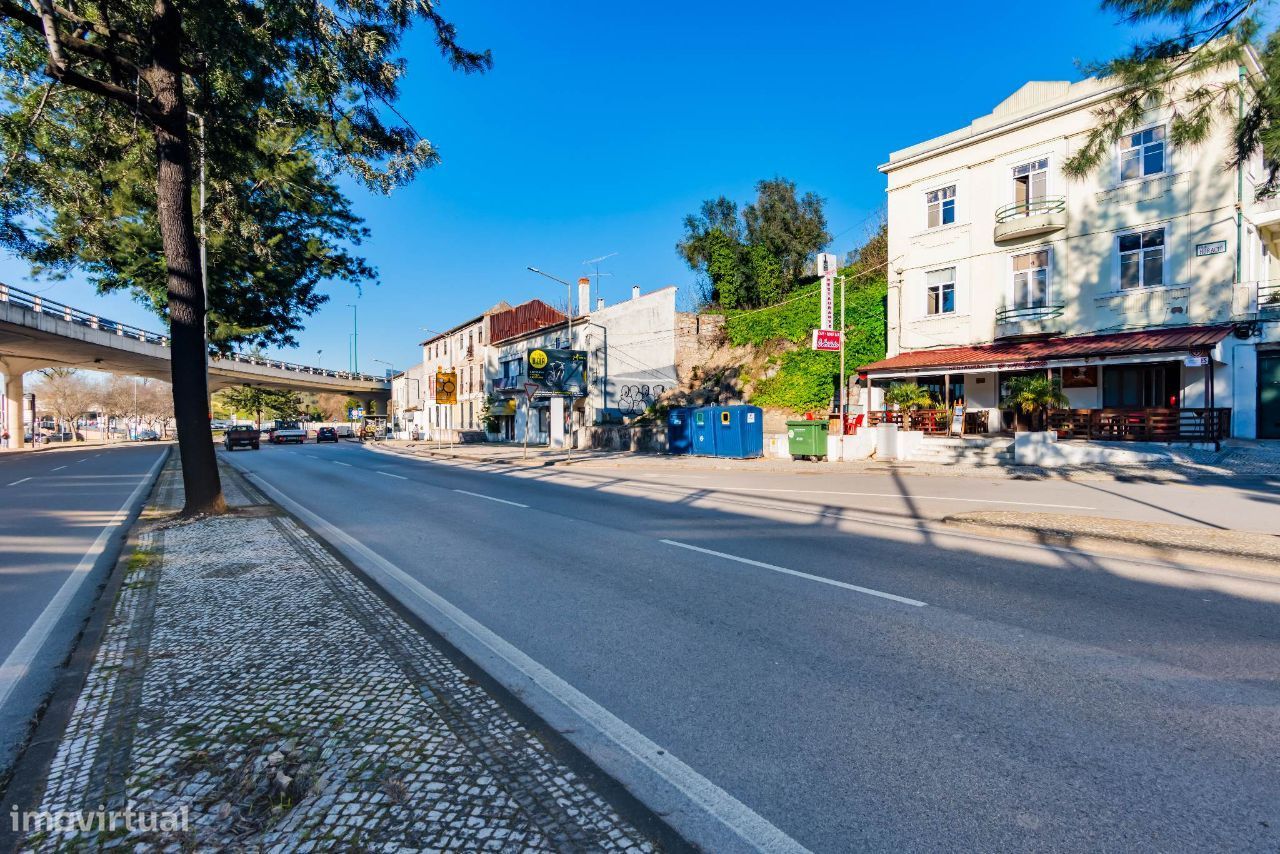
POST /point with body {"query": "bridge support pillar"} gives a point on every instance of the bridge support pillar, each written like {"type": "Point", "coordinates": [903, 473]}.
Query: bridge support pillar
{"type": "Point", "coordinates": [13, 370]}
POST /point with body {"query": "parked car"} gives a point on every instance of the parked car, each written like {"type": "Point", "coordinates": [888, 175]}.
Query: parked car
{"type": "Point", "coordinates": [287, 431]}
{"type": "Point", "coordinates": [326, 434]}
{"type": "Point", "coordinates": [146, 436]}
{"type": "Point", "coordinates": [241, 436]}
{"type": "Point", "coordinates": [60, 437]}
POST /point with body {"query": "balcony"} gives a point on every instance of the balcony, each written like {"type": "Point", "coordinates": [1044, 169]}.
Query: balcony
{"type": "Point", "coordinates": [509, 385]}
{"type": "Point", "coordinates": [1269, 297]}
{"type": "Point", "coordinates": [1252, 300]}
{"type": "Point", "coordinates": [1029, 320]}
{"type": "Point", "coordinates": [1028, 219]}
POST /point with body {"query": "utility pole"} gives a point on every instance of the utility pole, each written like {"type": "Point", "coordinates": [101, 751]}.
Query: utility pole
{"type": "Point", "coordinates": [844, 383]}
{"type": "Point", "coordinates": [355, 338]}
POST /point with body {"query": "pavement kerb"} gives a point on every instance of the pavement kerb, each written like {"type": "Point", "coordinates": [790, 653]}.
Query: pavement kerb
{"type": "Point", "coordinates": [67, 447]}
{"type": "Point", "coordinates": [698, 811]}
{"type": "Point", "coordinates": [1259, 560]}
{"type": "Point", "coordinates": [26, 780]}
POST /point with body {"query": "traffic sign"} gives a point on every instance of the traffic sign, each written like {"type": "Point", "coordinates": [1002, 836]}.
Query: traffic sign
{"type": "Point", "coordinates": [530, 389]}
{"type": "Point", "coordinates": [828, 339]}
{"type": "Point", "coordinates": [446, 387]}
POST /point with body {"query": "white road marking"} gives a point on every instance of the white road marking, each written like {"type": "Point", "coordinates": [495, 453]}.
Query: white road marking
{"type": "Point", "coordinates": [696, 808]}
{"type": "Point", "coordinates": [16, 666]}
{"type": "Point", "coordinates": [85, 460]}
{"type": "Point", "coordinates": [16, 482]}
{"type": "Point", "coordinates": [389, 474]}
{"type": "Point", "coordinates": [818, 578]}
{"type": "Point", "coordinates": [59, 468]}
{"type": "Point", "coordinates": [340, 463]}
{"type": "Point", "coordinates": [491, 498]}
{"type": "Point", "coordinates": [904, 496]}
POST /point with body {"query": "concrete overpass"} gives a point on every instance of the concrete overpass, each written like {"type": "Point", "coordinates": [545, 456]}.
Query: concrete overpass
{"type": "Point", "coordinates": [38, 333]}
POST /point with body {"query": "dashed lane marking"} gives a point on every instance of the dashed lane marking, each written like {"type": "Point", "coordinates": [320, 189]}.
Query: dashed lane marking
{"type": "Point", "coordinates": [782, 569]}
{"type": "Point", "coordinates": [491, 498]}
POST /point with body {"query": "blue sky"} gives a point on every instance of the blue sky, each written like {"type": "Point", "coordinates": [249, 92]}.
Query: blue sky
{"type": "Point", "coordinates": [602, 124]}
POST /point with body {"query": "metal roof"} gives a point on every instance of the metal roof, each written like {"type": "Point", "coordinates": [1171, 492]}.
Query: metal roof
{"type": "Point", "coordinates": [1163, 339]}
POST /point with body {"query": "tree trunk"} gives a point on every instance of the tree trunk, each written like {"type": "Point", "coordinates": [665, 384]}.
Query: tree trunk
{"type": "Point", "coordinates": [187, 353]}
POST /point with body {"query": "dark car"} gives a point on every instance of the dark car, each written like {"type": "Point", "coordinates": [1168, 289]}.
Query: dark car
{"type": "Point", "coordinates": [326, 434]}
{"type": "Point", "coordinates": [241, 436]}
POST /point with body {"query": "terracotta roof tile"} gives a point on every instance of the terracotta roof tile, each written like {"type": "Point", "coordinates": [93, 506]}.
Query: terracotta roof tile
{"type": "Point", "coordinates": [1163, 339]}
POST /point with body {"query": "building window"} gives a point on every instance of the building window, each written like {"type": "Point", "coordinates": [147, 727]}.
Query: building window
{"type": "Point", "coordinates": [1031, 279]}
{"type": "Point", "coordinates": [1142, 154]}
{"type": "Point", "coordinates": [1030, 184]}
{"type": "Point", "coordinates": [1142, 259]}
{"type": "Point", "coordinates": [942, 206]}
{"type": "Point", "coordinates": [941, 291]}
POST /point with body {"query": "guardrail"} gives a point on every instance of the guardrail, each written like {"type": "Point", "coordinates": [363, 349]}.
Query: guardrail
{"type": "Point", "coordinates": [1033, 312]}
{"type": "Point", "coordinates": [42, 305]}
{"type": "Point", "coordinates": [1036, 207]}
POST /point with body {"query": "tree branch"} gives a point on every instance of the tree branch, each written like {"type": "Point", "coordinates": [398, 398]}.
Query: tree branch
{"type": "Point", "coordinates": [45, 23]}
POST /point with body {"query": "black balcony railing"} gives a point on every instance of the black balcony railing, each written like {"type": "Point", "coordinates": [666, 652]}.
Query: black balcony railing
{"type": "Point", "coordinates": [1269, 296]}
{"type": "Point", "coordinates": [1029, 312]}
{"type": "Point", "coordinates": [1035, 207]}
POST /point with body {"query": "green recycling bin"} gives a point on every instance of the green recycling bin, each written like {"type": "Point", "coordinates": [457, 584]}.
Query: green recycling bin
{"type": "Point", "coordinates": [807, 439]}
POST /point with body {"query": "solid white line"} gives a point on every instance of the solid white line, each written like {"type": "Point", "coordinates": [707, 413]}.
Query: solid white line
{"type": "Point", "coordinates": [818, 578]}
{"type": "Point", "coordinates": [904, 496]}
{"type": "Point", "coordinates": [491, 498]}
{"type": "Point", "coordinates": [389, 474]}
{"type": "Point", "coordinates": [16, 666]}
{"type": "Point", "coordinates": [16, 482]}
{"type": "Point", "coordinates": [59, 468]}
{"type": "Point", "coordinates": [698, 810]}
{"type": "Point", "coordinates": [340, 463]}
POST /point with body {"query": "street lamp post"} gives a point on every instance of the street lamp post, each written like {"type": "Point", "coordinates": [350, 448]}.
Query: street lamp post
{"type": "Point", "coordinates": [355, 338]}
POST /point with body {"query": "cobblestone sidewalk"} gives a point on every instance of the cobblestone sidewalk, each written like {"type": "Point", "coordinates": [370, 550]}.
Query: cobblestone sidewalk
{"type": "Point", "coordinates": [250, 683]}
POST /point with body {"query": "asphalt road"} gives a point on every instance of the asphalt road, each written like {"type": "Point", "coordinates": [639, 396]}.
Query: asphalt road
{"type": "Point", "coordinates": [63, 515]}
{"type": "Point", "coordinates": [946, 692]}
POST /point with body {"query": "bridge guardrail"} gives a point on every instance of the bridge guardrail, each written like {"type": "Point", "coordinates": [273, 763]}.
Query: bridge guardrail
{"type": "Point", "coordinates": [42, 305]}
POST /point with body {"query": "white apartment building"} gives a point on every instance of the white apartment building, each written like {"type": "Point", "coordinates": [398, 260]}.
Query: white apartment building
{"type": "Point", "coordinates": [406, 409]}
{"type": "Point", "coordinates": [460, 349]}
{"type": "Point", "coordinates": [1146, 287]}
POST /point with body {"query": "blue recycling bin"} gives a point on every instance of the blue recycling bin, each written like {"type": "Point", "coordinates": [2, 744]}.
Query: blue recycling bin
{"type": "Point", "coordinates": [679, 430]}
{"type": "Point", "coordinates": [703, 427]}
{"type": "Point", "coordinates": [739, 431]}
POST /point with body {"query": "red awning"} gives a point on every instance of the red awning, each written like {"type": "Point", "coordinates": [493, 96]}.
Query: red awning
{"type": "Point", "coordinates": [1013, 354]}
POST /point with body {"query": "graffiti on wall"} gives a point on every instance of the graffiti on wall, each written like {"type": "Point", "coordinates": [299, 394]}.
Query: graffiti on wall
{"type": "Point", "coordinates": [635, 399]}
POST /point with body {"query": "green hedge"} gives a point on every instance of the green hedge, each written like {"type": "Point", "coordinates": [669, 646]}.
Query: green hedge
{"type": "Point", "coordinates": [806, 378]}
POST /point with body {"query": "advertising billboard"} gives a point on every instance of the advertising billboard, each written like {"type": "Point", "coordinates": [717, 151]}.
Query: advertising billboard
{"type": "Point", "coordinates": [559, 371]}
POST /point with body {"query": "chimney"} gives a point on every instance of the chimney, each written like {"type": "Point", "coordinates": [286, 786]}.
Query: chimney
{"type": "Point", "coordinates": [599, 303]}
{"type": "Point", "coordinates": [584, 295]}
{"type": "Point", "coordinates": [635, 292]}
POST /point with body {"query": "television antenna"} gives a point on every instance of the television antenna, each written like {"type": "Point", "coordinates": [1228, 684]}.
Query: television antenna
{"type": "Point", "coordinates": [595, 262]}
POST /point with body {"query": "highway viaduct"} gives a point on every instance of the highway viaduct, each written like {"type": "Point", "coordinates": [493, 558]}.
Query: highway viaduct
{"type": "Point", "coordinates": [36, 333]}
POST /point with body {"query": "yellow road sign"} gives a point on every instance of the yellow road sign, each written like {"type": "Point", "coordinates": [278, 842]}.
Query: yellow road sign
{"type": "Point", "coordinates": [447, 387]}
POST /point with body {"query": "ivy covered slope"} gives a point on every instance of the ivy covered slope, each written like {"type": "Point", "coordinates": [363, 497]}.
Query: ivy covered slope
{"type": "Point", "coordinates": [802, 379]}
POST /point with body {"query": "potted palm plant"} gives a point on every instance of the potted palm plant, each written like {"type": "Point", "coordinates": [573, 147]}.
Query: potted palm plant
{"type": "Point", "coordinates": [1034, 396]}
{"type": "Point", "coordinates": [908, 396]}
